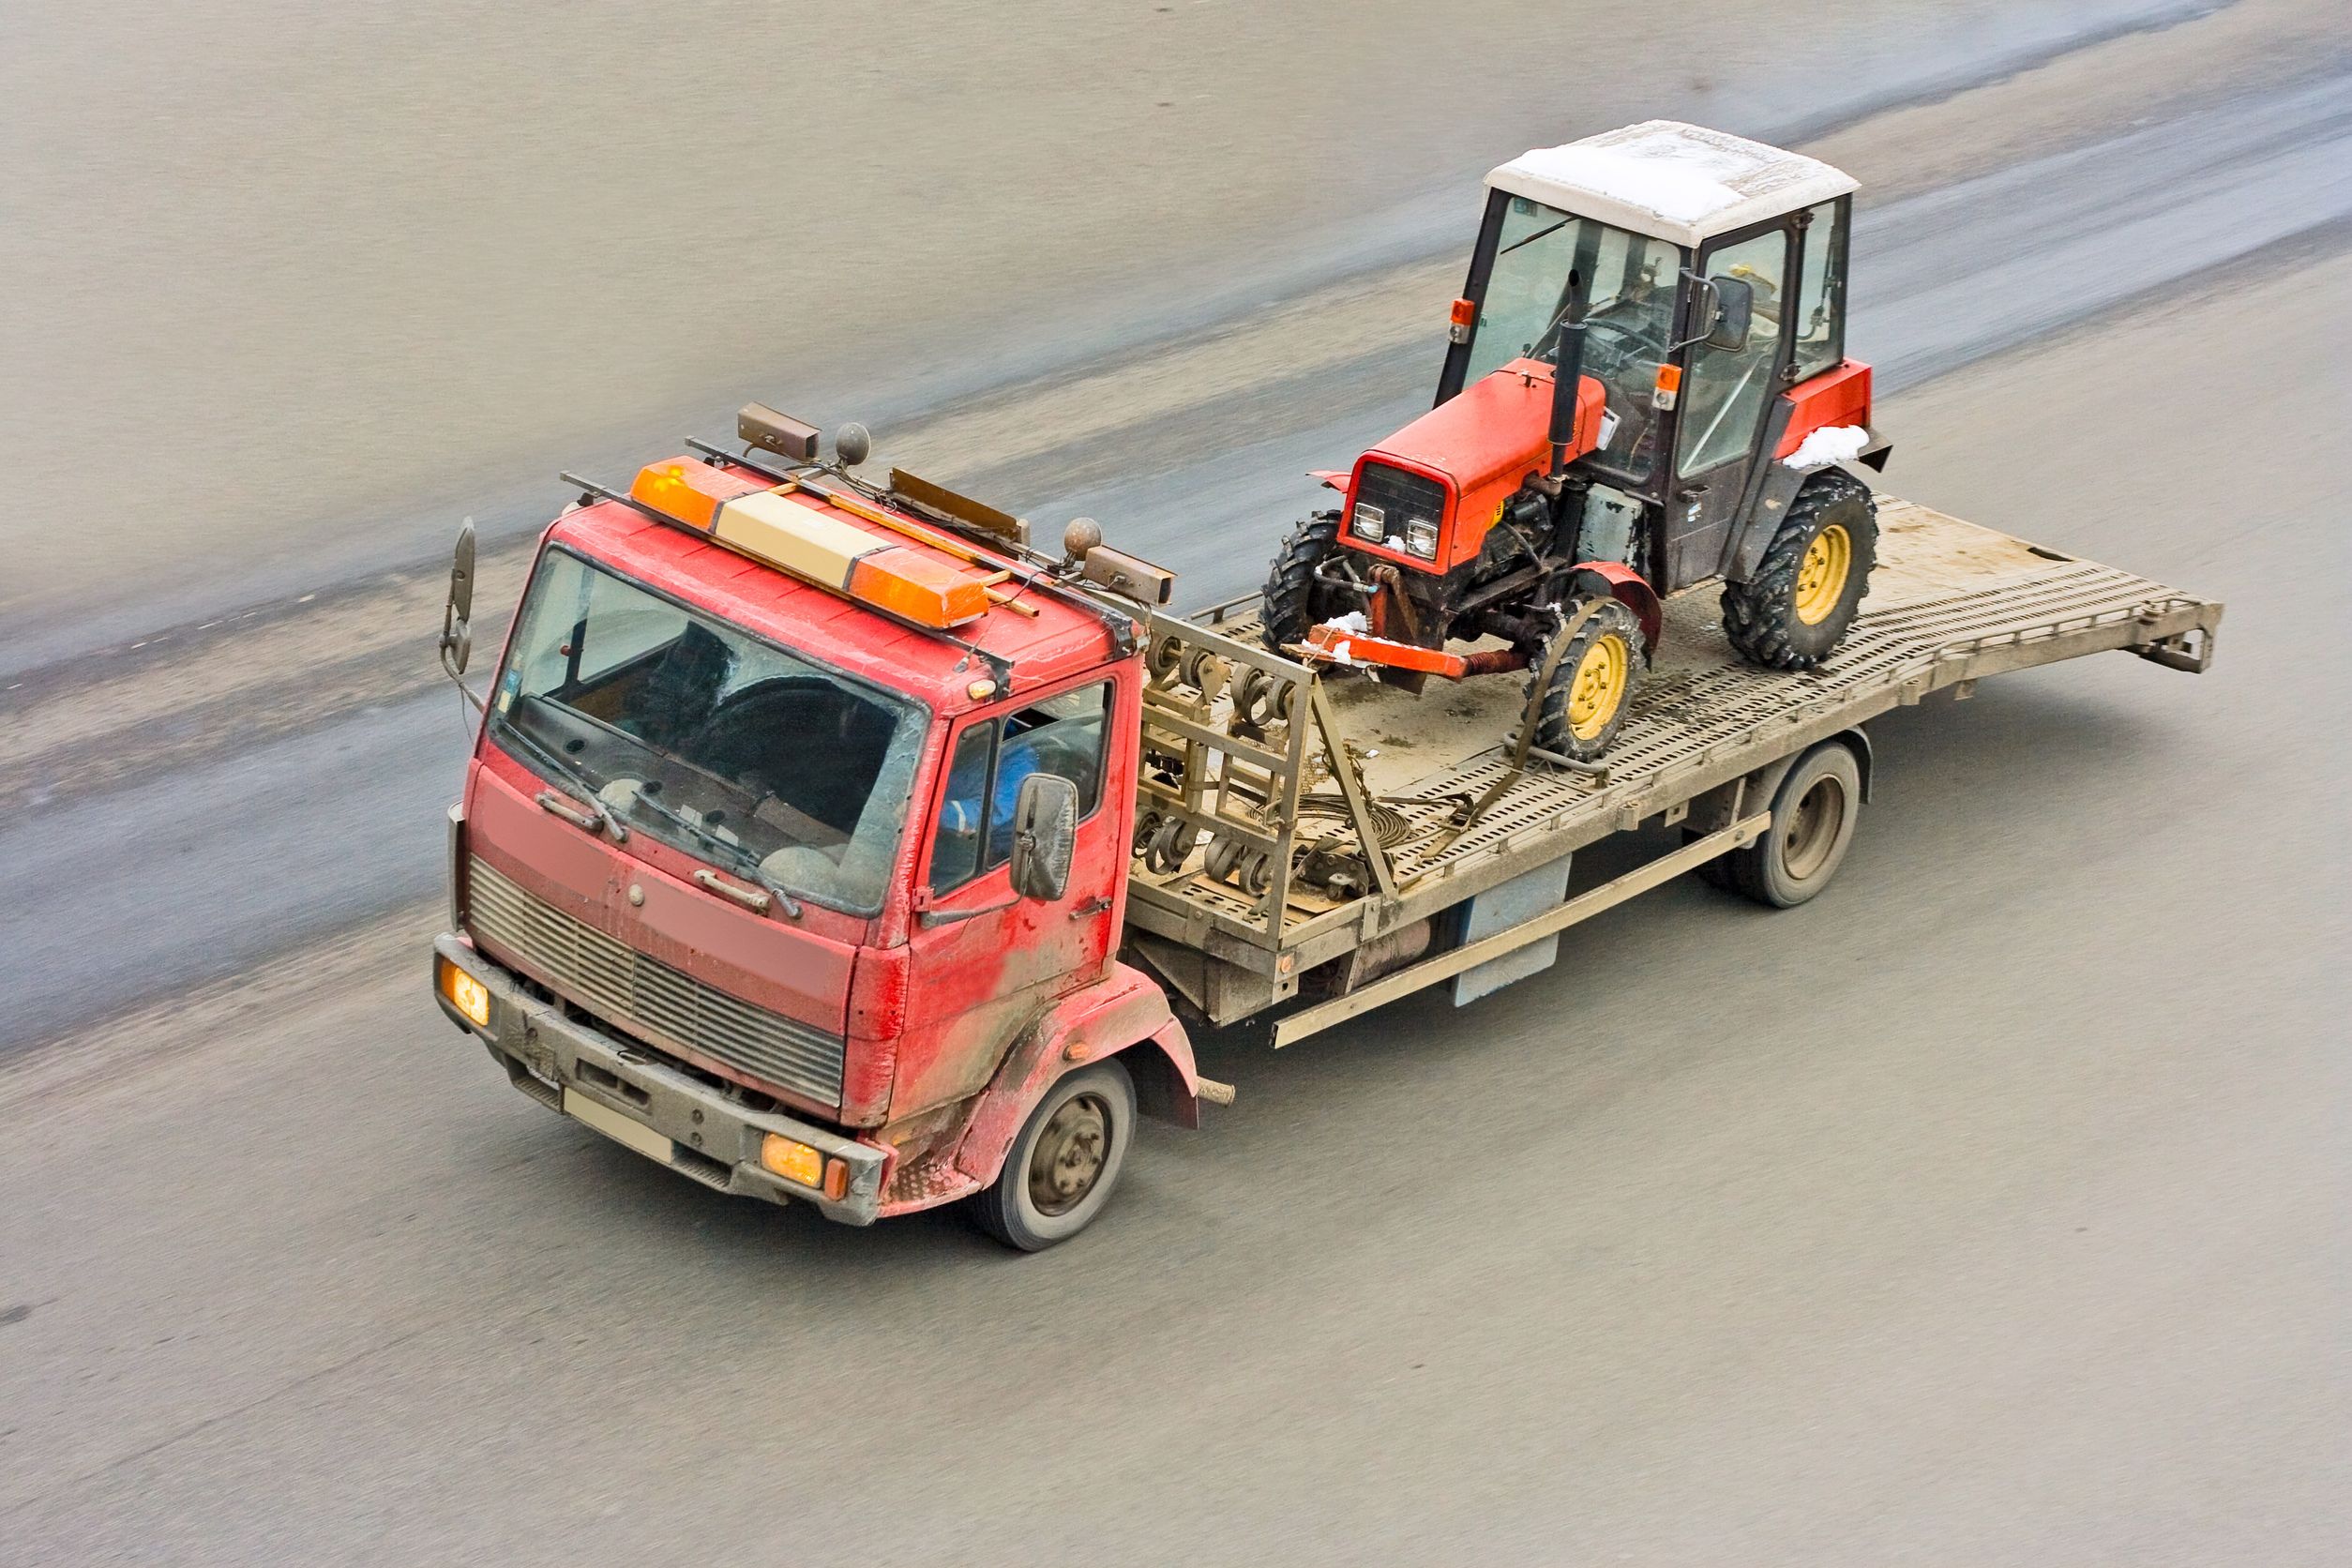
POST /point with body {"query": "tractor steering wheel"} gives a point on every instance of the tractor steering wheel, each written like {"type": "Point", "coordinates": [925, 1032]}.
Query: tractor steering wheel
{"type": "Point", "coordinates": [1638, 344]}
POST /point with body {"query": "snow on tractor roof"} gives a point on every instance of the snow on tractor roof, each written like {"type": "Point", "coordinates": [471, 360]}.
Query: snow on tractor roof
{"type": "Point", "coordinates": [1678, 182]}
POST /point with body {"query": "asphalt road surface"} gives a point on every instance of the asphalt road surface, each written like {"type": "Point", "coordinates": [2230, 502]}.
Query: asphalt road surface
{"type": "Point", "coordinates": [1991, 1209]}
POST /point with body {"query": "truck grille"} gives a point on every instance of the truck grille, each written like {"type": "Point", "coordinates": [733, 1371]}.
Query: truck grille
{"type": "Point", "coordinates": [644, 996]}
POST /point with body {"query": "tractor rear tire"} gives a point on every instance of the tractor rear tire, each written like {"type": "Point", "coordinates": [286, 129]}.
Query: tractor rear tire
{"type": "Point", "coordinates": [1814, 812]}
{"type": "Point", "coordinates": [1592, 688]}
{"type": "Point", "coordinates": [1796, 606]}
{"type": "Point", "coordinates": [1294, 601]}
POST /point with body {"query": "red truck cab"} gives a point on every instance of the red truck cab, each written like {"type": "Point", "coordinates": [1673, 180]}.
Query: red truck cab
{"type": "Point", "coordinates": [734, 873]}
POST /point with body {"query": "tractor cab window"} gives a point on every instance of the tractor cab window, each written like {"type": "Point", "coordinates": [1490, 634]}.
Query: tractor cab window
{"type": "Point", "coordinates": [1820, 323]}
{"type": "Point", "coordinates": [1630, 286]}
{"type": "Point", "coordinates": [1062, 734]}
{"type": "Point", "coordinates": [1726, 391]}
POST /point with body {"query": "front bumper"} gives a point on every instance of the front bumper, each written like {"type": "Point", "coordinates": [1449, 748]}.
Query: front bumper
{"type": "Point", "coordinates": [713, 1140]}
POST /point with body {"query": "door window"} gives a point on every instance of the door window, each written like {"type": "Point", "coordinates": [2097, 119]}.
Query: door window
{"type": "Point", "coordinates": [1727, 388]}
{"type": "Point", "coordinates": [1062, 734]}
{"type": "Point", "coordinates": [1820, 323]}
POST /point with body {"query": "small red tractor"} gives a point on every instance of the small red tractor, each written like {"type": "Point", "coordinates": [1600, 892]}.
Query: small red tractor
{"type": "Point", "coordinates": [1647, 387]}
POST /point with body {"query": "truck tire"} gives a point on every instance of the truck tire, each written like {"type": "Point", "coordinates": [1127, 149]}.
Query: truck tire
{"type": "Point", "coordinates": [1060, 1168]}
{"type": "Point", "coordinates": [1294, 601]}
{"type": "Point", "coordinates": [1814, 812]}
{"type": "Point", "coordinates": [1590, 689]}
{"type": "Point", "coordinates": [1801, 598]}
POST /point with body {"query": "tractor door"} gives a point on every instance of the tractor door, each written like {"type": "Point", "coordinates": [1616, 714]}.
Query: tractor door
{"type": "Point", "coordinates": [1726, 394]}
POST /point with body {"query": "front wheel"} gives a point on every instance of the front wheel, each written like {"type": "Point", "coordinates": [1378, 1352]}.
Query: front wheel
{"type": "Point", "coordinates": [1588, 689]}
{"type": "Point", "coordinates": [1294, 600]}
{"type": "Point", "coordinates": [1060, 1170]}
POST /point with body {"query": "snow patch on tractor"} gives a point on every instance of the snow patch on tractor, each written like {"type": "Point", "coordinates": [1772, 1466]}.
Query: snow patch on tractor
{"type": "Point", "coordinates": [1676, 180]}
{"type": "Point", "coordinates": [1354, 624]}
{"type": "Point", "coordinates": [1829, 444]}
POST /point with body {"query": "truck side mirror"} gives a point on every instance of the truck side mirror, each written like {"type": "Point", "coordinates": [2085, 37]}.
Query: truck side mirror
{"type": "Point", "coordinates": [1045, 835]}
{"type": "Point", "coordinates": [1734, 300]}
{"type": "Point", "coordinates": [456, 636]}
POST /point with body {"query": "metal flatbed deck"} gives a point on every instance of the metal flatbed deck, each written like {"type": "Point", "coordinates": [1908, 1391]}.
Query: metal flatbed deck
{"type": "Point", "coordinates": [1948, 603]}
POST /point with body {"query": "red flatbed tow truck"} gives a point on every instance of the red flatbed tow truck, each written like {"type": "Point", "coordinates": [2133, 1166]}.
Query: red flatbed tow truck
{"type": "Point", "coordinates": [829, 844]}
{"type": "Point", "coordinates": [757, 879]}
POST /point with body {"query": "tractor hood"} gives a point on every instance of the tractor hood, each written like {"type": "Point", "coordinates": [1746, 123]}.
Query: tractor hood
{"type": "Point", "coordinates": [1479, 447]}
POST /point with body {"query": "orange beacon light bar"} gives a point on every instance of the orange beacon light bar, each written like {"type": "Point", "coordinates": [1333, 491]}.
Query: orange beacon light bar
{"type": "Point", "coordinates": [814, 546]}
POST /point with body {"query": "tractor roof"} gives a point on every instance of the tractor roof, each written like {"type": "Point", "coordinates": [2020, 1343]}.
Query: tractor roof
{"type": "Point", "coordinates": [1672, 181]}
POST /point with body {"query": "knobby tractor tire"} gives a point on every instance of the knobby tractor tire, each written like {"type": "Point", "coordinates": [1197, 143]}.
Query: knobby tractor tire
{"type": "Point", "coordinates": [1796, 606]}
{"type": "Point", "coordinates": [1294, 601]}
{"type": "Point", "coordinates": [1060, 1168]}
{"type": "Point", "coordinates": [1592, 688]}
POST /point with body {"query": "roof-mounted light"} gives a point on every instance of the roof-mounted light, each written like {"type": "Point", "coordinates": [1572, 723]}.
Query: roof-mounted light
{"type": "Point", "coordinates": [814, 544]}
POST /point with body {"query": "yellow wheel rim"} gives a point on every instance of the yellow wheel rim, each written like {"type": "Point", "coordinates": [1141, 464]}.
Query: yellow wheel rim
{"type": "Point", "coordinates": [1598, 689]}
{"type": "Point", "coordinates": [1821, 577]}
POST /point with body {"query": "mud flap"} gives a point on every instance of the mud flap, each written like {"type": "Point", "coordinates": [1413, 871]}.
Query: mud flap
{"type": "Point", "coordinates": [1514, 902]}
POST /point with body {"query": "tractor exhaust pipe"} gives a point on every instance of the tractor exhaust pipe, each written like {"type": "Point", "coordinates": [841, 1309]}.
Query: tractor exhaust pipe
{"type": "Point", "coordinates": [1567, 375]}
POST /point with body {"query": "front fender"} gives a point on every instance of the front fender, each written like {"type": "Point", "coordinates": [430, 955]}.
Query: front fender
{"type": "Point", "coordinates": [1122, 1010]}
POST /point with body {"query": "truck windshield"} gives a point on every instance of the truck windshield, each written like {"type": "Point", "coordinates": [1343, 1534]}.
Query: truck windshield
{"type": "Point", "coordinates": [1630, 283]}
{"type": "Point", "coordinates": [683, 723]}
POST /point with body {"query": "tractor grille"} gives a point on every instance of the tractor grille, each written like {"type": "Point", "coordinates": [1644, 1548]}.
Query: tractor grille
{"type": "Point", "coordinates": [1397, 497]}
{"type": "Point", "coordinates": [646, 997]}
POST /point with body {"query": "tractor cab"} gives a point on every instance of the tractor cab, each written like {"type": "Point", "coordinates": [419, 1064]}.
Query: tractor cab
{"type": "Point", "coordinates": [1714, 273]}
{"type": "Point", "coordinates": [1652, 327]}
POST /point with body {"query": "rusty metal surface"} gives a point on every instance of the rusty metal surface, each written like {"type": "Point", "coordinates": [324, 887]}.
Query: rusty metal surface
{"type": "Point", "coordinates": [645, 996]}
{"type": "Point", "coordinates": [1951, 601]}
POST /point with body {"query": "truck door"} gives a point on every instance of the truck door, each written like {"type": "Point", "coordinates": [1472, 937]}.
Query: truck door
{"type": "Point", "coordinates": [983, 961]}
{"type": "Point", "coordinates": [1725, 396]}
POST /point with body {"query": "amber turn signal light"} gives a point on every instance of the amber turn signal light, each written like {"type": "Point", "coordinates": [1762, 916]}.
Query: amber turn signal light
{"type": "Point", "coordinates": [468, 995]}
{"type": "Point", "coordinates": [1669, 385]}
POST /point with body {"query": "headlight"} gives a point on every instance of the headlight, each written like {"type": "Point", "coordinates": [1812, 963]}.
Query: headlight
{"type": "Point", "coordinates": [796, 1162]}
{"type": "Point", "coordinates": [1370, 522]}
{"type": "Point", "coordinates": [791, 1160]}
{"type": "Point", "coordinates": [468, 995]}
{"type": "Point", "coordinates": [1420, 537]}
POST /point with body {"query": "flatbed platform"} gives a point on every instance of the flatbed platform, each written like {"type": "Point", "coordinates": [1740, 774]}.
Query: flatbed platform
{"type": "Point", "coordinates": [1948, 603]}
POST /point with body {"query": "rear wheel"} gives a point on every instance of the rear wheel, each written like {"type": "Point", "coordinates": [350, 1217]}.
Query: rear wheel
{"type": "Point", "coordinates": [1060, 1170]}
{"type": "Point", "coordinates": [1796, 607]}
{"type": "Point", "coordinates": [1294, 601]}
{"type": "Point", "coordinates": [1814, 812]}
{"type": "Point", "coordinates": [1591, 688]}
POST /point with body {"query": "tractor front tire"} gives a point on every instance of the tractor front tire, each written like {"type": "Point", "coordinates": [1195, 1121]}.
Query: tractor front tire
{"type": "Point", "coordinates": [1590, 689]}
{"type": "Point", "coordinates": [1796, 606]}
{"type": "Point", "coordinates": [1294, 601]}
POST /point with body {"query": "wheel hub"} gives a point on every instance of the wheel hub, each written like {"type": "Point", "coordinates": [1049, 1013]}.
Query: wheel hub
{"type": "Point", "coordinates": [1598, 686]}
{"type": "Point", "coordinates": [1821, 575]}
{"type": "Point", "coordinates": [1068, 1159]}
{"type": "Point", "coordinates": [1813, 828]}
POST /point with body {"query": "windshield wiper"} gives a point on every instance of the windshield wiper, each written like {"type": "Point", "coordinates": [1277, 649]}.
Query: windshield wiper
{"type": "Point", "coordinates": [746, 863]}
{"type": "Point", "coordinates": [598, 817]}
{"type": "Point", "coordinates": [1533, 238]}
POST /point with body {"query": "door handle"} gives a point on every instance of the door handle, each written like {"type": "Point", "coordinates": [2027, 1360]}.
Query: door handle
{"type": "Point", "coordinates": [1096, 905]}
{"type": "Point", "coordinates": [587, 822]}
{"type": "Point", "coordinates": [1690, 493]}
{"type": "Point", "coordinates": [752, 899]}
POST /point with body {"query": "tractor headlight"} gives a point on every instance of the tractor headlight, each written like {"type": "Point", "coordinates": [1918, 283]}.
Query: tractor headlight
{"type": "Point", "coordinates": [1420, 537]}
{"type": "Point", "coordinates": [1369, 523]}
